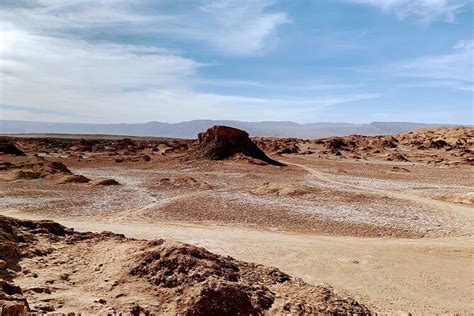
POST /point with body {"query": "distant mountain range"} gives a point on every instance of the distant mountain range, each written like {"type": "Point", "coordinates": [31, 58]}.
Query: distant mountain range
{"type": "Point", "coordinates": [190, 129]}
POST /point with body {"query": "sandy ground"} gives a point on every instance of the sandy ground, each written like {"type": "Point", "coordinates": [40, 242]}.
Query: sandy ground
{"type": "Point", "coordinates": [389, 275]}
{"type": "Point", "coordinates": [387, 233]}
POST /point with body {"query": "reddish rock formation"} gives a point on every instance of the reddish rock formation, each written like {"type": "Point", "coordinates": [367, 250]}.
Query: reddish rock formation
{"type": "Point", "coordinates": [223, 142]}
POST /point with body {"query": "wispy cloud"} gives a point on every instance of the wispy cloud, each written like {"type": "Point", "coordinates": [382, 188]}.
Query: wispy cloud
{"type": "Point", "coordinates": [452, 70]}
{"type": "Point", "coordinates": [242, 27]}
{"type": "Point", "coordinates": [425, 11]}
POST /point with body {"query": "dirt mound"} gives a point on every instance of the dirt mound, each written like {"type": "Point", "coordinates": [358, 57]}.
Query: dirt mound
{"type": "Point", "coordinates": [281, 189]}
{"type": "Point", "coordinates": [148, 277]}
{"type": "Point", "coordinates": [8, 148]}
{"type": "Point", "coordinates": [105, 182]}
{"type": "Point", "coordinates": [36, 170]}
{"type": "Point", "coordinates": [41, 169]}
{"type": "Point", "coordinates": [209, 283]}
{"type": "Point", "coordinates": [222, 142]}
{"type": "Point", "coordinates": [172, 265]}
{"type": "Point", "coordinates": [214, 285]}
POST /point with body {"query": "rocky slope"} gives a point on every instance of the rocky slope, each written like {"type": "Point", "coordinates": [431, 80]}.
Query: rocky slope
{"type": "Point", "coordinates": [46, 267]}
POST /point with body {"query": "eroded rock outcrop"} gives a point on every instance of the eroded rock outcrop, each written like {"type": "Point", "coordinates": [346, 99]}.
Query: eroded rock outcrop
{"type": "Point", "coordinates": [41, 169]}
{"type": "Point", "coordinates": [223, 142]}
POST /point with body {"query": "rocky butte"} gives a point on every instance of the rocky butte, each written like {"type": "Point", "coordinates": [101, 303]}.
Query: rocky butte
{"type": "Point", "coordinates": [223, 142]}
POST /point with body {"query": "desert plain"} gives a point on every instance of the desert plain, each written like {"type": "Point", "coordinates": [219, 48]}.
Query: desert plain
{"type": "Point", "coordinates": [354, 224]}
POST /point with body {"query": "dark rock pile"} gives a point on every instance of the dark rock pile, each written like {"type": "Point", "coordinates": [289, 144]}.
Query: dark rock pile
{"type": "Point", "coordinates": [8, 148]}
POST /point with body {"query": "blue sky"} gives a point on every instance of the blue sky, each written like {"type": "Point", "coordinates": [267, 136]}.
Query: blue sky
{"type": "Point", "coordinates": [110, 61]}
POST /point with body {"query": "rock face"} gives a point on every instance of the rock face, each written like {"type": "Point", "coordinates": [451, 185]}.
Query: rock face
{"type": "Point", "coordinates": [223, 142]}
{"type": "Point", "coordinates": [8, 148]}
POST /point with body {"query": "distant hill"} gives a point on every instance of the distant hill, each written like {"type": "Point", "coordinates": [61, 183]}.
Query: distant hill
{"type": "Point", "coordinates": [190, 129]}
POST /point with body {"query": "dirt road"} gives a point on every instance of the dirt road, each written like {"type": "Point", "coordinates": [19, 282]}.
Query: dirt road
{"type": "Point", "coordinates": [418, 276]}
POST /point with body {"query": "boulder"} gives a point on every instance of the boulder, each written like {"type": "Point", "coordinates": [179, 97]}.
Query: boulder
{"type": "Point", "coordinates": [105, 182]}
{"type": "Point", "coordinates": [72, 178]}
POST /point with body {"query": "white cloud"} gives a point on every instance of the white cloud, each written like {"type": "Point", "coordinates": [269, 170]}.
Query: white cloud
{"type": "Point", "coordinates": [73, 80]}
{"type": "Point", "coordinates": [424, 10]}
{"type": "Point", "coordinates": [50, 72]}
{"type": "Point", "coordinates": [232, 27]}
